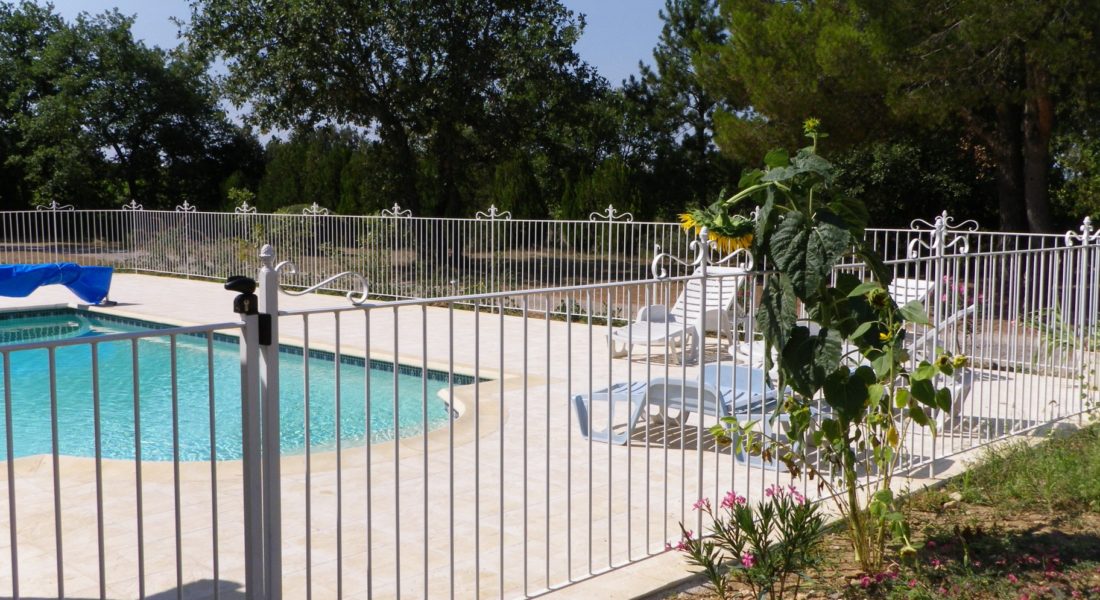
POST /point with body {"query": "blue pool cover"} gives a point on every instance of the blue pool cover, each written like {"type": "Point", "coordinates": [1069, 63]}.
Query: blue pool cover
{"type": "Point", "coordinates": [91, 284]}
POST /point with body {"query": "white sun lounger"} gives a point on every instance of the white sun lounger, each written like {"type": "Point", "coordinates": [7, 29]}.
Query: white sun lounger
{"type": "Point", "coordinates": [728, 390]}
{"type": "Point", "coordinates": [657, 325]}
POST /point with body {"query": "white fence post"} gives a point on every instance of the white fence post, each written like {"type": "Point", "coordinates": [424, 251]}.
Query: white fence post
{"type": "Point", "coordinates": [493, 215]}
{"type": "Point", "coordinates": [245, 304]}
{"type": "Point", "coordinates": [1085, 313]}
{"type": "Point", "coordinates": [938, 244]}
{"type": "Point", "coordinates": [611, 216]}
{"type": "Point", "coordinates": [269, 390]}
{"type": "Point", "coordinates": [185, 211]}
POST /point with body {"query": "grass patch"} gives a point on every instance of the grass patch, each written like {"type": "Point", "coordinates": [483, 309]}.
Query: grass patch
{"type": "Point", "coordinates": [1060, 475]}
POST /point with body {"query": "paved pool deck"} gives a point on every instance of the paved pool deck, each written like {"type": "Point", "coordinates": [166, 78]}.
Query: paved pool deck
{"type": "Point", "coordinates": [570, 506]}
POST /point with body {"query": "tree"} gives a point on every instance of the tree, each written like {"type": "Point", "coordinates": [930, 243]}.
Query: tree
{"type": "Point", "coordinates": [1004, 70]}
{"type": "Point", "coordinates": [24, 32]}
{"type": "Point", "coordinates": [691, 31]}
{"type": "Point", "coordinates": [98, 118]}
{"type": "Point", "coordinates": [449, 88]}
{"type": "Point", "coordinates": [997, 75]}
{"type": "Point", "coordinates": [784, 62]}
{"type": "Point", "coordinates": [311, 167]}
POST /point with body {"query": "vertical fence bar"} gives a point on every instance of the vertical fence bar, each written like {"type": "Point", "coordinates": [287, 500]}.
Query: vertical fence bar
{"type": "Point", "coordinates": [13, 523]}
{"type": "Point", "coordinates": [212, 418]}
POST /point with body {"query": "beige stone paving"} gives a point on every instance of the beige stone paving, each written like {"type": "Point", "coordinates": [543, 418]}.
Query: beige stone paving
{"type": "Point", "coordinates": [569, 506]}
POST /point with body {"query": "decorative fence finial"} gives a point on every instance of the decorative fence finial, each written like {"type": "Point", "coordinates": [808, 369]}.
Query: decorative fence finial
{"type": "Point", "coordinates": [315, 210]}
{"type": "Point", "coordinates": [611, 215]}
{"type": "Point", "coordinates": [397, 212]}
{"type": "Point", "coordinates": [245, 209]}
{"type": "Point", "coordinates": [132, 205]}
{"type": "Point", "coordinates": [185, 207]}
{"type": "Point", "coordinates": [493, 214]}
{"type": "Point", "coordinates": [54, 206]}
{"type": "Point", "coordinates": [1087, 236]}
{"type": "Point", "coordinates": [702, 246]}
{"type": "Point", "coordinates": [940, 228]}
{"type": "Point", "coordinates": [267, 256]}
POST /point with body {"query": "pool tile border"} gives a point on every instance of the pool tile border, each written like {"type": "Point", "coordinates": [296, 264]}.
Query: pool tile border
{"type": "Point", "coordinates": [456, 379]}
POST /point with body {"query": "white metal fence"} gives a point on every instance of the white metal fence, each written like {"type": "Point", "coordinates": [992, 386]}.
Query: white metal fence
{"type": "Point", "coordinates": [512, 494]}
{"type": "Point", "coordinates": [402, 256]}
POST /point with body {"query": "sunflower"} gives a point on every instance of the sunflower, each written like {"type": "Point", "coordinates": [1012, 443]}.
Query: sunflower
{"type": "Point", "coordinates": [730, 232]}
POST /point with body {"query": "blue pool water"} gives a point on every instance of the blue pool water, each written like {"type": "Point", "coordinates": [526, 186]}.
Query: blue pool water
{"type": "Point", "coordinates": [30, 393]}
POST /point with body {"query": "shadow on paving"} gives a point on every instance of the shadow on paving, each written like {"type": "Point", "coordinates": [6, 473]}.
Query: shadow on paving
{"type": "Point", "coordinates": [196, 590]}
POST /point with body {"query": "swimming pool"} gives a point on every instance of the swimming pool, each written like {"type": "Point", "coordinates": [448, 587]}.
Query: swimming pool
{"type": "Point", "coordinates": [417, 390]}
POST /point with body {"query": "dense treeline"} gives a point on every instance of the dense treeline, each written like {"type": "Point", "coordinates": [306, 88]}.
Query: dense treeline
{"type": "Point", "coordinates": [986, 110]}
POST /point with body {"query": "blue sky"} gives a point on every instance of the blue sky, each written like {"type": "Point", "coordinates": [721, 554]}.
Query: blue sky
{"type": "Point", "coordinates": [618, 35]}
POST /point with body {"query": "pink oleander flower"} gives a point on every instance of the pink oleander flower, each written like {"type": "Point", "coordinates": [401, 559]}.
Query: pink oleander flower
{"type": "Point", "coordinates": [748, 560]}
{"type": "Point", "coordinates": [912, 583]}
{"type": "Point", "coordinates": [796, 495]}
{"type": "Point", "coordinates": [1012, 578]}
{"type": "Point", "coordinates": [733, 499]}
{"type": "Point", "coordinates": [701, 504]}
{"type": "Point", "coordinates": [936, 563]}
{"type": "Point", "coordinates": [865, 582]}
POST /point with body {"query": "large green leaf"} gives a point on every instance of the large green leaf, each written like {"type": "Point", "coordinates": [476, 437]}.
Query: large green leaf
{"type": "Point", "coordinates": [808, 359]}
{"type": "Point", "coordinates": [808, 161]}
{"type": "Point", "coordinates": [847, 392]}
{"type": "Point", "coordinates": [863, 288]}
{"type": "Point", "coordinates": [914, 312]}
{"type": "Point", "coordinates": [806, 253]}
{"type": "Point", "coordinates": [777, 158]}
{"type": "Point", "coordinates": [765, 225]}
{"type": "Point", "coordinates": [827, 243]}
{"type": "Point", "coordinates": [943, 399]}
{"type": "Point", "coordinates": [777, 313]}
{"type": "Point", "coordinates": [787, 247]}
{"type": "Point", "coordinates": [923, 391]}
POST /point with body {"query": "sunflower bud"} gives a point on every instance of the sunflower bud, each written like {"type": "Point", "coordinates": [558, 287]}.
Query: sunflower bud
{"type": "Point", "coordinates": [878, 298]}
{"type": "Point", "coordinates": [943, 361]}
